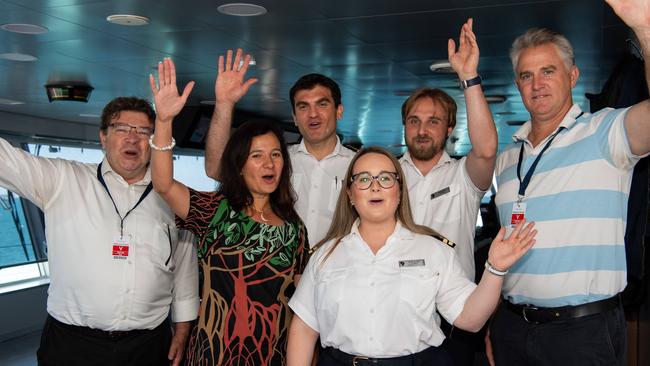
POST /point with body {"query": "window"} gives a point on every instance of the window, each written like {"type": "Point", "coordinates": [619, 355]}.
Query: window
{"type": "Point", "coordinates": [15, 242]}
{"type": "Point", "coordinates": [19, 251]}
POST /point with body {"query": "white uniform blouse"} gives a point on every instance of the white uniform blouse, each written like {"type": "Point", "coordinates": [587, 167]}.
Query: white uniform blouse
{"type": "Point", "coordinates": [384, 304]}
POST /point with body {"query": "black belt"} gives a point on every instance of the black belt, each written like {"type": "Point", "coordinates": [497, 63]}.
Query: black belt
{"type": "Point", "coordinates": [348, 359]}
{"type": "Point", "coordinates": [106, 334]}
{"type": "Point", "coordinates": [533, 314]}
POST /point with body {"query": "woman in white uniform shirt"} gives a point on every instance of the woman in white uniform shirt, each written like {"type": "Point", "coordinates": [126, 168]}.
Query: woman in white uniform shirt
{"type": "Point", "coordinates": [372, 288]}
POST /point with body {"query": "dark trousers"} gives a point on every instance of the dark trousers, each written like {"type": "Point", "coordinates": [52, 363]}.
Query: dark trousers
{"type": "Point", "coordinates": [430, 356]}
{"type": "Point", "coordinates": [590, 340]}
{"type": "Point", "coordinates": [459, 344]}
{"type": "Point", "coordinates": [67, 345]}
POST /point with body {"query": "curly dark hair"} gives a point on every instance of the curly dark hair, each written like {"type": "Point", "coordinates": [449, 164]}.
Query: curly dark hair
{"type": "Point", "coordinates": [117, 105]}
{"type": "Point", "coordinates": [233, 160]}
{"type": "Point", "coordinates": [310, 81]}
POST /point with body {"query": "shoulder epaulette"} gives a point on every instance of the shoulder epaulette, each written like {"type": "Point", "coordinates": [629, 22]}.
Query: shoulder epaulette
{"type": "Point", "coordinates": [450, 243]}
{"type": "Point", "coordinates": [353, 148]}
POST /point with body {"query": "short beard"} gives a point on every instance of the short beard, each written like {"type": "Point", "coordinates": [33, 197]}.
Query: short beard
{"type": "Point", "coordinates": [426, 153]}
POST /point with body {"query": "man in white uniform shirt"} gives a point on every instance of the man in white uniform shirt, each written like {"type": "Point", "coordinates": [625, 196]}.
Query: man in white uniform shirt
{"type": "Point", "coordinates": [446, 193]}
{"type": "Point", "coordinates": [319, 161]}
{"type": "Point", "coordinates": [117, 264]}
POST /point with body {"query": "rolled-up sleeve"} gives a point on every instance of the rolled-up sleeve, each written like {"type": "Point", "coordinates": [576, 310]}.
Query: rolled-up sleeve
{"type": "Point", "coordinates": [185, 300]}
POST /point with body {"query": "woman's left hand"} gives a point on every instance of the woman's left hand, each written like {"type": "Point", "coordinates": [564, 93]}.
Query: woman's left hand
{"type": "Point", "coordinates": [505, 252]}
{"type": "Point", "coordinates": [168, 102]}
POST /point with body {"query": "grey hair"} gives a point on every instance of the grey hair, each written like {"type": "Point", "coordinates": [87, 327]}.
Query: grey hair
{"type": "Point", "coordinates": [540, 36]}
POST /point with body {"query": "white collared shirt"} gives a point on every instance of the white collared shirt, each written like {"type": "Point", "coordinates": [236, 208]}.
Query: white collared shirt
{"type": "Point", "coordinates": [317, 185]}
{"type": "Point", "coordinates": [88, 286]}
{"type": "Point", "coordinates": [447, 201]}
{"type": "Point", "coordinates": [383, 304]}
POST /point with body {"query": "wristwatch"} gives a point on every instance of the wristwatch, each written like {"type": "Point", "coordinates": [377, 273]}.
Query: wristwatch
{"type": "Point", "coordinates": [464, 84]}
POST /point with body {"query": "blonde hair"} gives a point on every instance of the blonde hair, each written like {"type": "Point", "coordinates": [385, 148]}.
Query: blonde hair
{"type": "Point", "coordinates": [538, 37]}
{"type": "Point", "coordinates": [345, 214]}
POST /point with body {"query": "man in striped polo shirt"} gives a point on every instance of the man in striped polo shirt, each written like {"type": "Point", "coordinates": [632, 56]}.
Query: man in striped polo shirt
{"type": "Point", "coordinates": [570, 172]}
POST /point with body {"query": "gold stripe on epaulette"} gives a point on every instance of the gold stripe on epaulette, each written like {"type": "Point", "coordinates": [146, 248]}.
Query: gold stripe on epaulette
{"type": "Point", "coordinates": [450, 243]}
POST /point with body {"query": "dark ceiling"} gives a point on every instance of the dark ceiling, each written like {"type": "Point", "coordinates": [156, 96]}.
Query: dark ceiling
{"type": "Point", "coordinates": [378, 51]}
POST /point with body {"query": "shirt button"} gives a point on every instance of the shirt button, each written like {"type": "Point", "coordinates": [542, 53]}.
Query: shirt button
{"type": "Point", "coordinates": [316, 186]}
{"type": "Point", "coordinates": [312, 211]}
{"type": "Point", "coordinates": [129, 262]}
{"type": "Point", "coordinates": [372, 311]}
{"type": "Point", "coordinates": [371, 338]}
{"type": "Point", "coordinates": [372, 284]}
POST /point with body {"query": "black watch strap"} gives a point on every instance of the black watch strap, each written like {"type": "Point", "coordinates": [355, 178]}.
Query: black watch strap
{"type": "Point", "coordinates": [464, 84]}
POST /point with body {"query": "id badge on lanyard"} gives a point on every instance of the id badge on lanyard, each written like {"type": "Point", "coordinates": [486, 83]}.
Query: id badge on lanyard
{"type": "Point", "coordinates": [120, 247]}
{"type": "Point", "coordinates": [518, 215]}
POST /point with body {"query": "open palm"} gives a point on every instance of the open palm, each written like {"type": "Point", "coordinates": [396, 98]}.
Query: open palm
{"type": "Point", "coordinates": [168, 102]}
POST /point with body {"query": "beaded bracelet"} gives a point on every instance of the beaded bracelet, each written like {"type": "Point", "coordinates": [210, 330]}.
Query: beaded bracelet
{"type": "Point", "coordinates": [495, 271]}
{"type": "Point", "coordinates": [164, 148]}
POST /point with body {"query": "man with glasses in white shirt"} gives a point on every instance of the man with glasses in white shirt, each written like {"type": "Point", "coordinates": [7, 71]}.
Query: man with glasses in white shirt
{"type": "Point", "coordinates": [118, 264]}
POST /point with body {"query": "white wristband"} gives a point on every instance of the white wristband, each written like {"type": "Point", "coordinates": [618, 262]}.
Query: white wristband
{"type": "Point", "coordinates": [164, 148]}
{"type": "Point", "coordinates": [495, 271]}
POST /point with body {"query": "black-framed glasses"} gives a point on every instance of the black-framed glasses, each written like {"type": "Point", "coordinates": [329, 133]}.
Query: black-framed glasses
{"type": "Point", "coordinates": [125, 129]}
{"type": "Point", "coordinates": [364, 180]}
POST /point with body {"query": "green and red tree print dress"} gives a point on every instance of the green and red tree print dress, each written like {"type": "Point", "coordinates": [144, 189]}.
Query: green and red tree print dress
{"type": "Point", "coordinates": [247, 270]}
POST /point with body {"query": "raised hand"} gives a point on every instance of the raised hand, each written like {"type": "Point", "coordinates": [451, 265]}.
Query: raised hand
{"type": "Point", "coordinates": [230, 85]}
{"type": "Point", "coordinates": [464, 60]}
{"type": "Point", "coordinates": [504, 253]}
{"type": "Point", "coordinates": [635, 13]}
{"type": "Point", "coordinates": [168, 102]}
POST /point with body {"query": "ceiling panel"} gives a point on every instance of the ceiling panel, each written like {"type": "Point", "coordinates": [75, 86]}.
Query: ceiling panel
{"type": "Point", "coordinates": [378, 51]}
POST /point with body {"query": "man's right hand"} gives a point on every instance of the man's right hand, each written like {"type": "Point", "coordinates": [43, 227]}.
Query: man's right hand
{"type": "Point", "coordinates": [230, 86]}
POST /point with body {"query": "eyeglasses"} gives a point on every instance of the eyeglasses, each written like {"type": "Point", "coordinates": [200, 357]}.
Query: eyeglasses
{"type": "Point", "coordinates": [124, 129]}
{"type": "Point", "coordinates": [364, 180]}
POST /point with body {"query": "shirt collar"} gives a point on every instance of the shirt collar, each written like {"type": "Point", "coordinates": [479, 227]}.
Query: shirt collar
{"type": "Point", "coordinates": [567, 122]}
{"type": "Point", "coordinates": [444, 159]}
{"type": "Point", "coordinates": [399, 233]}
{"type": "Point", "coordinates": [107, 168]}
{"type": "Point", "coordinates": [338, 149]}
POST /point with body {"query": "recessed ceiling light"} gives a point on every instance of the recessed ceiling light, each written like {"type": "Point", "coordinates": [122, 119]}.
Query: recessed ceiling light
{"type": "Point", "coordinates": [242, 9]}
{"type": "Point", "coordinates": [441, 67]}
{"type": "Point", "coordinates": [22, 57]}
{"type": "Point", "coordinates": [252, 62]}
{"type": "Point", "coordinates": [127, 19]}
{"type": "Point", "coordinates": [10, 102]}
{"type": "Point", "coordinates": [24, 28]}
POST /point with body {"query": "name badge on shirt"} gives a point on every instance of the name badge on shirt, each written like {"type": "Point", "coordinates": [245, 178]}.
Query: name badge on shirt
{"type": "Point", "coordinates": [411, 263]}
{"type": "Point", "coordinates": [518, 215]}
{"type": "Point", "coordinates": [120, 248]}
{"type": "Point", "coordinates": [441, 192]}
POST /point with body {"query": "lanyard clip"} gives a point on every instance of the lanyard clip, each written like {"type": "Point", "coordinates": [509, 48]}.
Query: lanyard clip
{"type": "Point", "coordinates": [520, 197]}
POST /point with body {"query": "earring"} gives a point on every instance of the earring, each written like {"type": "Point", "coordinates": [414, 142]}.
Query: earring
{"type": "Point", "coordinates": [351, 203]}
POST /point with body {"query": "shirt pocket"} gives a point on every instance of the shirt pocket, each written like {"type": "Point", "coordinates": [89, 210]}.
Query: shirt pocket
{"type": "Point", "coordinates": [418, 288]}
{"type": "Point", "coordinates": [329, 293]}
{"type": "Point", "coordinates": [296, 181]}
{"type": "Point", "coordinates": [164, 246]}
{"type": "Point", "coordinates": [445, 204]}
{"type": "Point", "coordinates": [335, 189]}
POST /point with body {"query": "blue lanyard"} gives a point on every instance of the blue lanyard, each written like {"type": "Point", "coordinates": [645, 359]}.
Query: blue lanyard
{"type": "Point", "coordinates": [122, 218]}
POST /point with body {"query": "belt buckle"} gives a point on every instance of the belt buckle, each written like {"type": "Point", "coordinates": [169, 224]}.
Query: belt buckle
{"type": "Point", "coordinates": [523, 313]}
{"type": "Point", "coordinates": [358, 358]}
